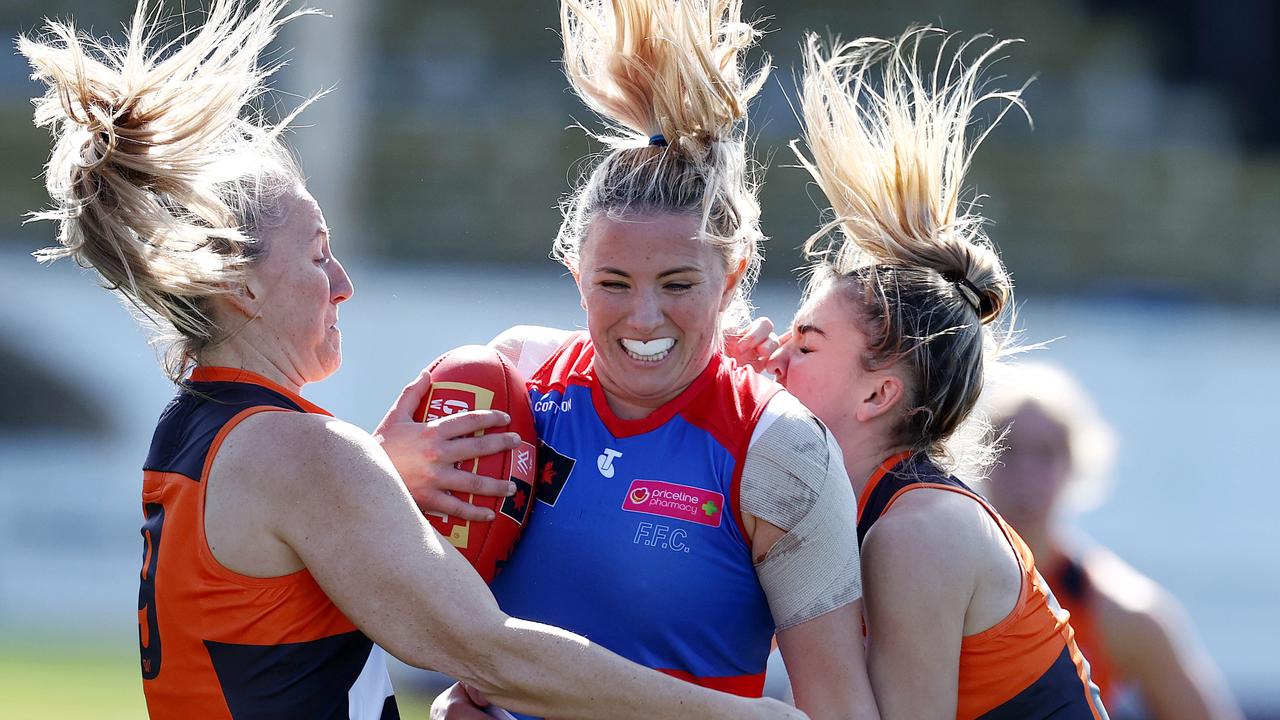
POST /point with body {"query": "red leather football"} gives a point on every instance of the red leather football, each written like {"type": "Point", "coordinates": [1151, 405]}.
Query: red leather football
{"type": "Point", "coordinates": [476, 377]}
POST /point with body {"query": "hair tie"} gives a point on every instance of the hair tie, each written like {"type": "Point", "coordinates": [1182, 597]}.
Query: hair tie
{"type": "Point", "coordinates": [660, 140]}
{"type": "Point", "coordinates": [967, 289]}
{"type": "Point", "coordinates": [970, 292]}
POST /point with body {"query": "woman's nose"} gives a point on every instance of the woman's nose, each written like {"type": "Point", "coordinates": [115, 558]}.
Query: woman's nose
{"type": "Point", "coordinates": [340, 286]}
{"type": "Point", "coordinates": [646, 313]}
{"type": "Point", "coordinates": [780, 359]}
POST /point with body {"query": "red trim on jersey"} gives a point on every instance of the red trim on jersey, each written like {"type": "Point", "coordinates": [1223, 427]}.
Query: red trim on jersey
{"type": "Point", "coordinates": [213, 373]}
{"type": "Point", "coordinates": [556, 371]}
{"type": "Point", "coordinates": [744, 685]}
{"type": "Point", "coordinates": [731, 418]}
{"type": "Point", "coordinates": [621, 427]}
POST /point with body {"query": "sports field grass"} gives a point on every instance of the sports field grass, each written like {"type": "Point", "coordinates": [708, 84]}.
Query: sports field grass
{"type": "Point", "coordinates": [53, 682]}
{"type": "Point", "coordinates": [65, 681]}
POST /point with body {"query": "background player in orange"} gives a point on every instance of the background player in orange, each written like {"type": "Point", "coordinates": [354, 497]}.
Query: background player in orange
{"type": "Point", "coordinates": [280, 543]}
{"type": "Point", "coordinates": [1056, 456]}
{"type": "Point", "coordinates": [890, 350]}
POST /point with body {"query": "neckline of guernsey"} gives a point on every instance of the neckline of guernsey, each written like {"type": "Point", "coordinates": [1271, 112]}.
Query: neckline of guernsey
{"type": "Point", "coordinates": [214, 373]}
{"type": "Point", "coordinates": [883, 469]}
{"type": "Point", "coordinates": [621, 427]}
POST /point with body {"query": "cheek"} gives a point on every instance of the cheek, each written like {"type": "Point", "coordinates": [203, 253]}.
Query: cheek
{"type": "Point", "coordinates": [698, 311]}
{"type": "Point", "coordinates": [823, 382]}
{"type": "Point", "coordinates": [800, 378]}
{"type": "Point", "coordinates": [808, 368]}
{"type": "Point", "coordinates": [602, 308]}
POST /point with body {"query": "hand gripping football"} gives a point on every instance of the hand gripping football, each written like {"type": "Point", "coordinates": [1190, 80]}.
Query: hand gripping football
{"type": "Point", "coordinates": [475, 377]}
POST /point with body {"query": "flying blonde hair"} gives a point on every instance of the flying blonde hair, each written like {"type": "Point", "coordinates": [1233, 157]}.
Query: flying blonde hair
{"type": "Point", "coordinates": [887, 130]}
{"type": "Point", "coordinates": [160, 169]}
{"type": "Point", "coordinates": [667, 79]}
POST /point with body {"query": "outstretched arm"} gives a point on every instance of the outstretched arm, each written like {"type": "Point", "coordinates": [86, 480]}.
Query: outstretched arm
{"type": "Point", "coordinates": [333, 496]}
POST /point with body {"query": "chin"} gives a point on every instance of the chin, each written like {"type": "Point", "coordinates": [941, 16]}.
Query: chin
{"type": "Point", "coordinates": [328, 366]}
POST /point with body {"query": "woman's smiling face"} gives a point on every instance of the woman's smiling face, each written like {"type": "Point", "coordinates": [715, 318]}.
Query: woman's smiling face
{"type": "Point", "coordinates": [653, 291]}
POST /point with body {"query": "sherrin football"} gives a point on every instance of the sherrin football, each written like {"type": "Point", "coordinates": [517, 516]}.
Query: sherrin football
{"type": "Point", "coordinates": [476, 377]}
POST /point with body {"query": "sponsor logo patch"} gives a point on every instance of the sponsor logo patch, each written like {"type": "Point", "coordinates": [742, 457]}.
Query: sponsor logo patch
{"type": "Point", "coordinates": [604, 463]}
{"type": "Point", "coordinates": [516, 507]}
{"type": "Point", "coordinates": [681, 502]}
{"type": "Point", "coordinates": [554, 470]}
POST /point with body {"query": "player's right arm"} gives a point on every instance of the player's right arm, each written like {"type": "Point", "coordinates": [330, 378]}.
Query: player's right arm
{"type": "Point", "coordinates": [328, 492]}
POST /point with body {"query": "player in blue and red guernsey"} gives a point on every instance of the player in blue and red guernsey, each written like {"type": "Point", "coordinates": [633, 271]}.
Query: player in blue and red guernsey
{"type": "Point", "coordinates": [687, 508]}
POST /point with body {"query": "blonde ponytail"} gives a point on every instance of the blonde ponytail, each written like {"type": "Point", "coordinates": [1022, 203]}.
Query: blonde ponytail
{"type": "Point", "coordinates": [158, 174]}
{"type": "Point", "coordinates": [887, 131]}
{"type": "Point", "coordinates": [891, 153]}
{"type": "Point", "coordinates": [661, 68]}
{"type": "Point", "coordinates": [667, 79]}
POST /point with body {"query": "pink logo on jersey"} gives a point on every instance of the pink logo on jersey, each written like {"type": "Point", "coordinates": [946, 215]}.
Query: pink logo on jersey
{"type": "Point", "coordinates": [682, 502]}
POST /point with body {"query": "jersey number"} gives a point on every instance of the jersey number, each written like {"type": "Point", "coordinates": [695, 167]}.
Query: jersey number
{"type": "Point", "coordinates": [148, 628]}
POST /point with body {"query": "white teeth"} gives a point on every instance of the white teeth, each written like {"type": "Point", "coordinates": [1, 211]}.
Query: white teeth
{"type": "Point", "coordinates": [648, 347]}
{"type": "Point", "coordinates": [648, 350]}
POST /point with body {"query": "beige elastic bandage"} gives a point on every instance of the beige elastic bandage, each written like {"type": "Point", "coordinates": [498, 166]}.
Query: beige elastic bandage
{"type": "Point", "coordinates": [794, 478]}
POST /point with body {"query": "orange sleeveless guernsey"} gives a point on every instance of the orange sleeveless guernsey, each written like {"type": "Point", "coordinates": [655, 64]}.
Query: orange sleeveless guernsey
{"type": "Point", "coordinates": [1076, 592]}
{"type": "Point", "coordinates": [216, 644]}
{"type": "Point", "coordinates": [1026, 666]}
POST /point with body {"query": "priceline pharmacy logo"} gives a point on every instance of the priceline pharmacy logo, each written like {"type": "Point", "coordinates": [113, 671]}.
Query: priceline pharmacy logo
{"type": "Point", "coordinates": [681, 502]}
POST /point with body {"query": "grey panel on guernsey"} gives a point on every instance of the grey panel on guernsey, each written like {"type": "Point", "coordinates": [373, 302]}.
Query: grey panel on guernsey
{"type": "Point", "coordinates": [529, 346]}
{"type": "Point", "coordinates": [794, 478]}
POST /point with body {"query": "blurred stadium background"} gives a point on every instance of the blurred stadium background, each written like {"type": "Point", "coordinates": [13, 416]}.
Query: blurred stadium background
{"type": "Point", "coordinates": [1140, 219]}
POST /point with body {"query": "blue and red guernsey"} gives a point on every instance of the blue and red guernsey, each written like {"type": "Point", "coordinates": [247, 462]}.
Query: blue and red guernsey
{"type": "Point", "coordinates": [218, 645]}
{"type": "Point", "coordinates": [636, 541]}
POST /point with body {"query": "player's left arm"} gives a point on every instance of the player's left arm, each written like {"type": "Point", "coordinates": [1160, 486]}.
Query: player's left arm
{"type": "Point", "coordinates": [1153, 642]}
{"type": "Point", "coordinates": [827, 665]}
{"type": "Point", "coordinates": [800, 515]}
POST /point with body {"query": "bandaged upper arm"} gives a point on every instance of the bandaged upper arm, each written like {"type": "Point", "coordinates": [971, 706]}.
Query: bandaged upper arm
{"type": "Point", "coordinates": [794, 478]}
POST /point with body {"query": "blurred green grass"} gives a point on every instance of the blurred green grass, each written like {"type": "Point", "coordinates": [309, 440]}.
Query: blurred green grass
{"type": "Point", "coordinates": [96, 680]}
{"type": "Point", "coordinates": [69, 681]}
